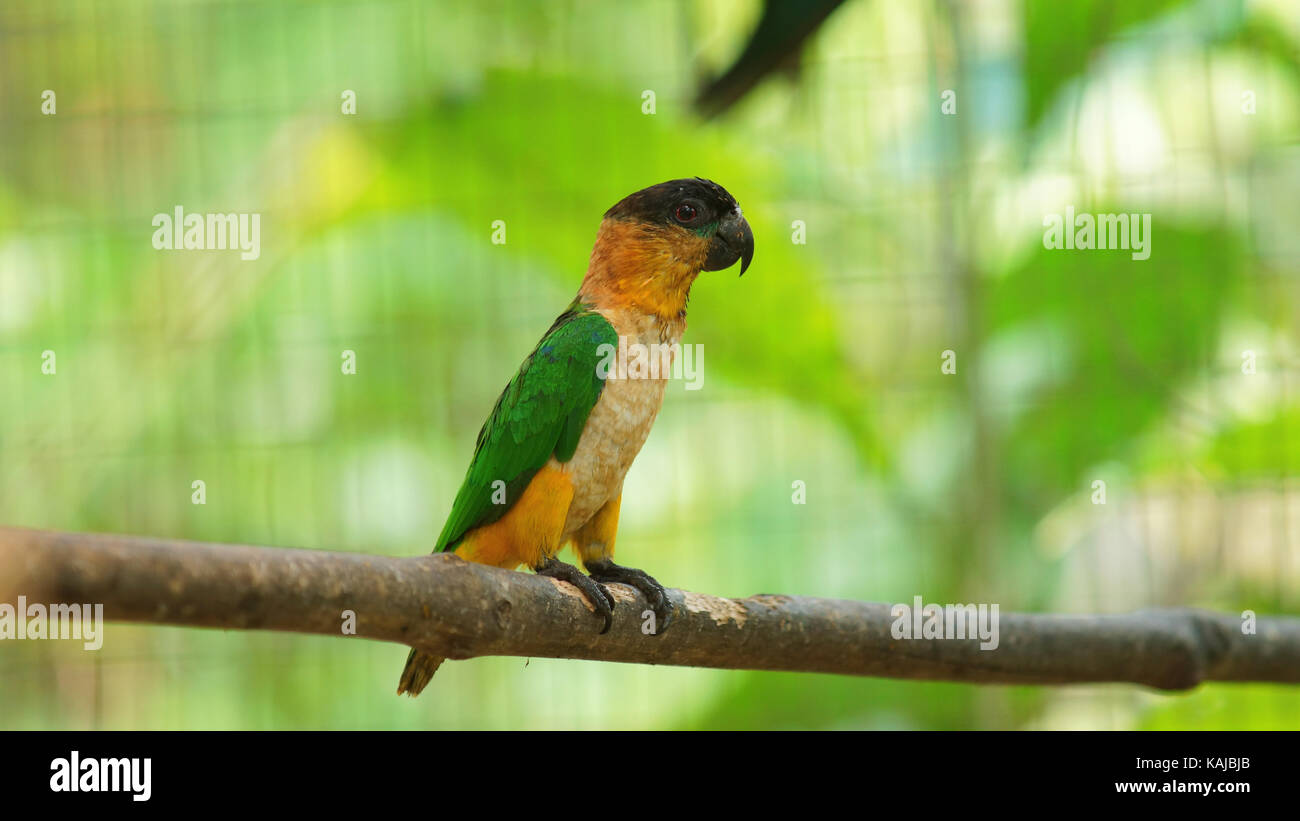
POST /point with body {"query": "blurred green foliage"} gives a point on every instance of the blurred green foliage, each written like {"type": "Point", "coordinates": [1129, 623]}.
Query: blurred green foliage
{"type": "Point", "coordinates": [1062, 38]}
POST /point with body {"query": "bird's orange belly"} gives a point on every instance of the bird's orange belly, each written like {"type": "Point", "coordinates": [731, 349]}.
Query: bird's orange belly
{"type": "Point", "coordinates": [530, 530]}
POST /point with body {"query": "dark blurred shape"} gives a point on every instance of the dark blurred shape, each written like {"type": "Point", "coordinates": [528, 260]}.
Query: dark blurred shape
{"type": "Point", "coordinates": [776, 42]}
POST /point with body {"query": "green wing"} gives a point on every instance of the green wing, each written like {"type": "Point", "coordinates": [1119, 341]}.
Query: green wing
{"type": "Point", "coordinates": [540, 413]}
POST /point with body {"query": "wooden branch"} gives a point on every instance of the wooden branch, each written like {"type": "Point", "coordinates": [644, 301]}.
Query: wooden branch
{"type": "Point", "coordinates": [461, 610]}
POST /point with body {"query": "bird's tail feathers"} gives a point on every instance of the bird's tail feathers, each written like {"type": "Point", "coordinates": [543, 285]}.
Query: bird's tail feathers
{"type": "Point", "coordinates": [420, 667]}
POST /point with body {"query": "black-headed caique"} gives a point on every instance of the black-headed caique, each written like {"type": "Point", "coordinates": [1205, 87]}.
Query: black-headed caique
{"type": "Point", "coordinates": [565, 431]}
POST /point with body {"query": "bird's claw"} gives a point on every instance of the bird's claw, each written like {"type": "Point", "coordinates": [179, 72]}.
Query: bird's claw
{"type": "Point", "coordinates": [654, 592]}
{"type": "Point", "coordinates": [595, 592]}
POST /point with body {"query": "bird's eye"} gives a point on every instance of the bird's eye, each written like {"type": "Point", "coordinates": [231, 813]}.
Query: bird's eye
{"type": "Point", "coordinates": [685, 212]}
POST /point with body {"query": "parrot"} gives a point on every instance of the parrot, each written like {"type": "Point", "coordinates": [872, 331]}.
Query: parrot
{"type": "Point", "coordinates": [564, 432]}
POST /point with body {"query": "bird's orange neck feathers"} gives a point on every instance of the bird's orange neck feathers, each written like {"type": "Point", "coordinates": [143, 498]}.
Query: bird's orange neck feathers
{"type": "Point", "coordinates": [645, 268]}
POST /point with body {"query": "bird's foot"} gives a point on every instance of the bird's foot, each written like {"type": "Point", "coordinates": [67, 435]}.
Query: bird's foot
{"type": "Point", "coordinates": [593, 590]}
{"type": "Point", "coordinates": [607, 571]}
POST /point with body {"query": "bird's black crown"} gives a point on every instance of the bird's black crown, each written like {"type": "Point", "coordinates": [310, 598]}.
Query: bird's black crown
{"type": "Point", "coordinates": [660, 203]}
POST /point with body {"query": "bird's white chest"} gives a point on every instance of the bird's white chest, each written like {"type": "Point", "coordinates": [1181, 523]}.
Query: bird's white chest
{"type": "Point", "coordinates": [619, 422]}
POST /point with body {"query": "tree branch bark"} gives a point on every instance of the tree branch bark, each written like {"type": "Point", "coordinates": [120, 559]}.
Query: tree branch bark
{"type": "Point", "coordinates": [461, 610]}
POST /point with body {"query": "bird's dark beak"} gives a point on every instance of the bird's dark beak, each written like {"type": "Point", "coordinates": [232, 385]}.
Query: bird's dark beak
{"type": "Point", "coordinates": [734, 241]}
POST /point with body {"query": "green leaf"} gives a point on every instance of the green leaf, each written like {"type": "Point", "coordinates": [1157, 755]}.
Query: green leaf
{"type": "Point", "coordinates": [1061, 39]}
